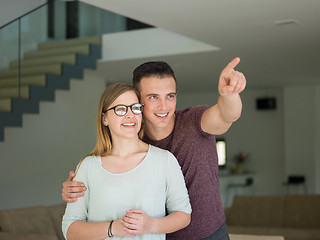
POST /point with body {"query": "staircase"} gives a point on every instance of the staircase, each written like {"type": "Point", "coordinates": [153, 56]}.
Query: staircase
{"type": "Point", "coordinates": [42, 72]}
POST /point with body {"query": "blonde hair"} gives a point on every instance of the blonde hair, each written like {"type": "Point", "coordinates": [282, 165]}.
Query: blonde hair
{"type": "Point", "coordinates": [104, 139]}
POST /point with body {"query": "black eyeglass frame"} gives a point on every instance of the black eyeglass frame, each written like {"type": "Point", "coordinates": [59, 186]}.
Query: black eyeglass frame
{"type": "Point", "coordinates": [141, 105]}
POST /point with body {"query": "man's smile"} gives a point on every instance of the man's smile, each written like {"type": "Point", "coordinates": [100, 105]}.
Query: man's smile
{"type": "Point", "coordinates": [162, 115]}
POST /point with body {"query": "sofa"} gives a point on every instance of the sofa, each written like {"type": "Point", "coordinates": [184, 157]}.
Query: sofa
{"type": "Point", "coordinates": [296, 217]}
{"type": "Point", "coordinates": [253, 237]}
{"type": "Point", "coordinates": [44, 223]}
{"type": "Point", "coordinates": [33, 223]}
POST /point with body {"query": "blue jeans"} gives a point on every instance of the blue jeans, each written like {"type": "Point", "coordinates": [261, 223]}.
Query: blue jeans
{"type": "Point", "coordinates": [220, 234]}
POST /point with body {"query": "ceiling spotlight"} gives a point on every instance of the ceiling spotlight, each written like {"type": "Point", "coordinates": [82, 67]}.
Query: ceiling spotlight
{"type": "Point", "coordinates": [286, 22]}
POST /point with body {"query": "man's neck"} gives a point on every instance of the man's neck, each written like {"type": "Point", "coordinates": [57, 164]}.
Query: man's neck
{"type": "Point", "coordinates": [158, 134]}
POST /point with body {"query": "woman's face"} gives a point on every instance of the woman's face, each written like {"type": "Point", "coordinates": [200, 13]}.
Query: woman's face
{"type": "Point", "coordinates": [126, 126]}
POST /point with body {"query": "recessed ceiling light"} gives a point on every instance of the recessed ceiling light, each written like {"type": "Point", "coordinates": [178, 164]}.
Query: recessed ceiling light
{"type": "Point", "coordinates": [286, 22]}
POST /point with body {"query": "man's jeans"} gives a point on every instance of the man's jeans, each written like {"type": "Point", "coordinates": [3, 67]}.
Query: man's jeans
{"type": "Point", "coordinates": [220, 234]}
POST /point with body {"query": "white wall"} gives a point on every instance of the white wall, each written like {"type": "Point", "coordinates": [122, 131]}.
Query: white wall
{"type": "Point", "coordinates": [36, 158]}
{"type": "Point", "coordinates": [133, 44]}
{"type": "Point", "coordinates": [302, 133]}
{"type": "Point", "coordinates": [259, 133]}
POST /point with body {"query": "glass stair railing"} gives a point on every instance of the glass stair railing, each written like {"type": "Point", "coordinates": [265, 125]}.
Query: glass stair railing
{"type": "Point", "coordinates": [43, 49]}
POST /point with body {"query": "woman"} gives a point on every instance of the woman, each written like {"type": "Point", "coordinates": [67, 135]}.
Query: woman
{"type": "Point", "coordinates": [130, 184]}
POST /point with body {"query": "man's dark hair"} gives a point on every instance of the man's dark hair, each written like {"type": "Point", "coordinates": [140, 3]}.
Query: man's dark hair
{"type": "Point", "coordinates": [155, 69]}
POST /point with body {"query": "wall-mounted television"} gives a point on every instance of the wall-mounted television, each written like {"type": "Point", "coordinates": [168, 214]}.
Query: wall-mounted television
{"type": "Point", "coordinates": [222, 152]}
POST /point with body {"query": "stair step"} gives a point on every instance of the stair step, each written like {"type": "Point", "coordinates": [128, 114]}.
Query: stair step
{"type": "Point", "coordinates": [13, 92]}
{"type": "Point", "coordinates": [5, 105]}
{"type": "Point", "coordinates": [70, 42]}
{"type": "Point", "coordinates": [83, 48]}
{"type": "Point", "coordinates": [27, 71]}
{"type": "Point", "coordinates": [70, 59]}
{"type": "Point", "coordinates": [36, 80]}
{"type": "Point", "coordinates": [42, 72]}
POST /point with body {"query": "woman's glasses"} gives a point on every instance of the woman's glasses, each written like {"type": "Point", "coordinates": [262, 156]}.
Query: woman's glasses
{"type": "Point", "coordinates": [121, 110]}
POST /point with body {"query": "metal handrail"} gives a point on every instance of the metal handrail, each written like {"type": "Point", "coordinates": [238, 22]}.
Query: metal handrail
{"type": "Point", "coordinates": [31, 11]}
{"type": "Point", "coordinates": [18, 19]}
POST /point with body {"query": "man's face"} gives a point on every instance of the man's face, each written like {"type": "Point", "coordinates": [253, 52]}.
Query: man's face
{"type": "Point", "coordinates": [159, 96]}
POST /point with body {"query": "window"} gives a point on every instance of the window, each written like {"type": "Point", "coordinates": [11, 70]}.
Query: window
{"type": "Point", "coordinates": [222, 152]}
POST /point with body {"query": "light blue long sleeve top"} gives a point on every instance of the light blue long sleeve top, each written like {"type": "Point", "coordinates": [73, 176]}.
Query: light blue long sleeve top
{"type": "Point", "coordinates": [155, 185]}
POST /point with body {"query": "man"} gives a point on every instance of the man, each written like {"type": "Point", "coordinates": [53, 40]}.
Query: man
{"type": "Point", "coordinates": [189, 135]}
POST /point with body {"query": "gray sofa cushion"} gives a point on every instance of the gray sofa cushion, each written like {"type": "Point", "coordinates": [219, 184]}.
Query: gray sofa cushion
{"type": "Point", "coordinates": [249, 230]}
{"type": "Point", "coordinates": [296, 233]}
{"type": "Point", "coordinates": [33, 220]}
{"type": "Point", "coordinates": [23, 236]}
{"type": "Point", "coordinates": [298, 207]}
{"type": "Point", "coordinates": [254, 237]}
{"type": "Point", "coordinates": [258, 211]}
{"type": "Point", "coordinates": [56, 213]}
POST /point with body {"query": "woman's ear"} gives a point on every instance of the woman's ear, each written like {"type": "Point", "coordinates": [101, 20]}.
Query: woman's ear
{"type": "Point", "coordinates": [104, 120]}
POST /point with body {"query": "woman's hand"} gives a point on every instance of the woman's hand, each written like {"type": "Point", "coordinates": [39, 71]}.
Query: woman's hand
{"type": "Point", "coordinates": [137, 222]}
{"type": "Point", "coordinates": [117, 229]}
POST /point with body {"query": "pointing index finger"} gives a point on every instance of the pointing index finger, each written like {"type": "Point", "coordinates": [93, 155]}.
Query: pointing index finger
{"type": "Point", "coordinates": [233, 63]}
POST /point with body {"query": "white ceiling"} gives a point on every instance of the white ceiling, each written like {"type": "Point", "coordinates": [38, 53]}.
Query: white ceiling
{"type": "Point", "coordinates": [271, 55]}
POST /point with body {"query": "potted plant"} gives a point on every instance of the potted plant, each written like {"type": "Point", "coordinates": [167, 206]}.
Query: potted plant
{"type": "Point", "coordinates": [239, 160]}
